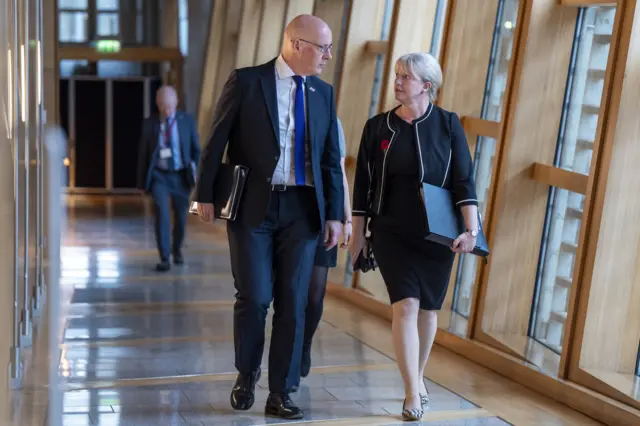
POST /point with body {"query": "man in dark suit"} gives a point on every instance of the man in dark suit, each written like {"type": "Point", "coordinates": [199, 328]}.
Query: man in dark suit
{"type": "Point", "coordinates": [280, 121]}
{"type": "Point", "coordinates": [168, 154]}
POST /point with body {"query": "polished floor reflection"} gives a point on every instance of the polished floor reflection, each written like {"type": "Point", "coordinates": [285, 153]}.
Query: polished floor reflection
{"type": "Point", "coordinates": [142, 348]}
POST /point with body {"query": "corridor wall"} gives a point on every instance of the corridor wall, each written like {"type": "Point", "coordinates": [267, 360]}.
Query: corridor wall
{"type": "Point", "coordinates": [22, 118]}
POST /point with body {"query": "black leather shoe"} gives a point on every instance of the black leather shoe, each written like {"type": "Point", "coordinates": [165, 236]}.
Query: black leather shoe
{"type": "Point", "coordinates": [305, 366]}
{"type": "Point", "coordinates": [163, 266]}
{"type": "Point", "coordinates": [242, 395]}
{"type": "Point", "coordinates": [280, 405]}
{"type": "Point", "coordinates": [178, 259]}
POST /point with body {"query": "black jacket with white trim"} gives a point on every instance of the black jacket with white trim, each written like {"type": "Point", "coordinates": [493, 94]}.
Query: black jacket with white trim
{"type": "Point", "coordinates": [441, 146]}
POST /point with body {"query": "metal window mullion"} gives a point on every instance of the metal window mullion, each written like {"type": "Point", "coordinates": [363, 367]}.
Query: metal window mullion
{"type": "Point", "coordinates": [16, 361]}
{"type": "Point", "coordinates": [26, 304]}
{"type": "Point", "coordinates": [39, 163]}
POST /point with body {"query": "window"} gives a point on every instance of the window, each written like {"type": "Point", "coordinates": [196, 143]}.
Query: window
{"type": "Point", "coordinates": [183, 28]}
{"type": "Point", "coordinates": [73, 27]}
{"type": "Point", "coordinates": [73, 4]}
{"type": "Point", "coordinates": [107, 5]}
{"type": "Point", "coordinates": [575, 146]}
{"type": "Point", "coordinates": [493, 103]}
{"type": "Point", "coordinates": [108, 25]}
{"type": "Point", "coordinates": [82, 21]}
{"type": "Point", "coordinates": [438, 28]}
{"type": "Point", "coordinates": [140, 21]}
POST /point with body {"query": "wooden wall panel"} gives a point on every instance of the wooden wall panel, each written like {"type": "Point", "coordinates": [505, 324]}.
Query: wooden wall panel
{"type": "Point", "coordinates": [271, 28]}
{"type": "Point", "coordinates": [298, 7]}
{"type": "Point", "coordinates": [521, 202]}
{"type": "Point", "coordinates": [411, 31]}
{"type": "Point", "coordinates": [210, 69]}
{"type": "Point", "coordinates": [249, 30]}
{"type": "Point", "coordinates": [365, 18]}
{"type": "Point", "coordinates": [332, 12]}
{"type": "Point", "coordinates": [50, 61]}
{"type": "Point", "coordinates": [468, 50]}
{"type": "Point", "coordinates": [170, 33]}
{"type": "Point", "coordinates": [612, 329]}
{"type": "Point", "coordinates": [358, 68]}
{"type": "Point", "coordinates": [230, 36]}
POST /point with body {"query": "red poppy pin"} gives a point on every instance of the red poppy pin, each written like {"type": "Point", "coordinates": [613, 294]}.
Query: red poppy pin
{"type": "Point", "coordinates": [384, 144]}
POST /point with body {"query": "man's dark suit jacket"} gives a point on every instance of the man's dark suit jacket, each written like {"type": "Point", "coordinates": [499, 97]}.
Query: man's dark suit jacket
{"type": "Point", "coordinates": [247, 117]}
{"type": "Point", "coordinates": [149, 149]}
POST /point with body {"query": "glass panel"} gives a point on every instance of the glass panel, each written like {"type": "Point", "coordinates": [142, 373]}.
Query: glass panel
{"type": "Point", "coordinates": [497, 75]}
{"type": "Point", "coordinates": [69, 67]}
{"type": "Point", "coordinates": [372, 282]}
{"type": "Point", "coordinates": [183, 13]}
{"type": "Point", "coordinates": [438, 28]}
{"type": "Point", "coordinates": [467, 265]}
{"type": "Point", "coordinates": [377, 80]}
{"type": "Point", "coordinates": [108, 24]}
{"type": "Point", "coordinates": [558, 257]}
{"type": "Point", "coordinates": [107, 5]}
{"type": "Point", "coordinates": [111, 69]}
{"type": "Point", "coordinates": [183, 9]}
{"type": "Point", "coordinates": [73, 27]}
{"type": "Point", "coordinates": [73, 4]}
{"type": "Point", "coordinates": [140, 28]}
{"type": "Point", "coordinates": [575, 146]}
{"type": "Point", "coordinates": [586, 83]}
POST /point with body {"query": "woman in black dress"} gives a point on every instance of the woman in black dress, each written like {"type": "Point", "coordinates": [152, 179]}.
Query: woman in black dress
{"type": "Point", "coordinates": [416, 142]}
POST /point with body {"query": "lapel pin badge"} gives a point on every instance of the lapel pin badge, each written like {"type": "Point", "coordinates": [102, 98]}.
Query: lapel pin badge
{"type": "Point", "coordinates": [313, 89]}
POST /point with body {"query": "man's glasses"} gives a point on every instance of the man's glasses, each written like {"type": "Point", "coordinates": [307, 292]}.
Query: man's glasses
{"type": "Point", "coordinates": [321, 48]}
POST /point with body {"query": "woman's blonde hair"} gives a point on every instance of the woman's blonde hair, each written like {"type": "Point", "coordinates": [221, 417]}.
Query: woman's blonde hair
{"type": "Point", "coordinates": [426, 68]}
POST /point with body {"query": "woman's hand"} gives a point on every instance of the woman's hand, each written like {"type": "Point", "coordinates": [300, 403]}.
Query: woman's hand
{"type": "Point", "coordinates": [465, 243]}
{"type": "Point", "coordinates": [358, 243]}
{"type": "Point", "coordinates": [347, 231]}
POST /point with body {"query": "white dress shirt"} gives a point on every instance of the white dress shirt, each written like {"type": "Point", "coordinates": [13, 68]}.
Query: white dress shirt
{"type": "Point", "coordinates": [285, 172]}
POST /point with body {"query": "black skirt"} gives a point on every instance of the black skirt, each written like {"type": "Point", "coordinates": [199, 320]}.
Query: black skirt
{"type": "Point", "coordinates": [411, 266]}
{"type": "Point", "coordinates": [325, 258]}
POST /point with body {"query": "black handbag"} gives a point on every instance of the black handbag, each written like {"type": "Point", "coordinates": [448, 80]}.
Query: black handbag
{"type": "Point", "coordinates": [368, 263]}
{"type": "Point", "coordinates": [365, 263]}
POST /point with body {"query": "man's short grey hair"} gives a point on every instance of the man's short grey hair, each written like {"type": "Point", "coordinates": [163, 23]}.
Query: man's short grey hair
{"type": "Point", "coordinates": [426, 68]}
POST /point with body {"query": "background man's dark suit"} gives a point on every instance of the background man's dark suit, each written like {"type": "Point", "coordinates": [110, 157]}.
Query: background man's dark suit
{"type": "Point", "coordinates": [175, 185]}
{"type": "Point", "coordinates": [273, 240]}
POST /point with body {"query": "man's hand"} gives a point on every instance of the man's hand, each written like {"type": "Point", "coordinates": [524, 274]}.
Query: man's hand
{"type": "Point", "coordinates": [332, 231]}
{"type": "Point", "coordinates": [205, 211]}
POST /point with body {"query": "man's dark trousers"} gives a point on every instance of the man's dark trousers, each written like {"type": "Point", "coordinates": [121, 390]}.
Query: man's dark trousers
{"type": "Point", "coordinates": [281, 248]}
{"type": "Point", "coordinates": [169, 186]}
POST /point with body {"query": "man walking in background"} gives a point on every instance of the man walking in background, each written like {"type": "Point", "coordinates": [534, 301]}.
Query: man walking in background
{"type": "Point", "coordinates": [279, 121]}
{"type": "Point", "coordinates": [168, 154]}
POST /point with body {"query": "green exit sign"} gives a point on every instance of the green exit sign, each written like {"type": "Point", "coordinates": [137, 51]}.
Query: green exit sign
{"type": "Point", "coordinates": [108, 46]}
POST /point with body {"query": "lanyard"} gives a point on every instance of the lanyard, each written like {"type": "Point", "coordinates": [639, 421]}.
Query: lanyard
{"type": "Point", "coordinates": [167, 132]}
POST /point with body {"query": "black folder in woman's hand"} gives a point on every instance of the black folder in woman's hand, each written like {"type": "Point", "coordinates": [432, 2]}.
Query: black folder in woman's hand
{"type": "Point", "coordinates": [445, 221]}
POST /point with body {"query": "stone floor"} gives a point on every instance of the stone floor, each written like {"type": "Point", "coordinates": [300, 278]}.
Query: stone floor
{"type": "Point", "coordinates": [142, 348]}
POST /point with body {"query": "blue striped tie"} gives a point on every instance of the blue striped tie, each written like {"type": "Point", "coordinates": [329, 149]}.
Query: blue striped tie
{"type": "Point", "coordinates": [300, 132]}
